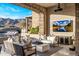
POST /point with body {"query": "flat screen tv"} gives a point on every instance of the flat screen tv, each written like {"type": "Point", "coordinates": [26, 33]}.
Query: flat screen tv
{"type": "Point", "coordinates": [63, 26]}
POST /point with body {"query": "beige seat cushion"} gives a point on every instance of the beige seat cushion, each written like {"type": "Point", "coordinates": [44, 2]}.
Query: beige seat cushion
{"type": "Point", "coordinates": [29, 52]}
{"type": "Point", "coordinates": [9, 47]}
{"type": "Point", "coordinates": [29, 45]}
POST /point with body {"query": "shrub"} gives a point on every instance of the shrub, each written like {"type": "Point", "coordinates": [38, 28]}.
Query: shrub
{"type": "Point", "coordinates": [34, 30]}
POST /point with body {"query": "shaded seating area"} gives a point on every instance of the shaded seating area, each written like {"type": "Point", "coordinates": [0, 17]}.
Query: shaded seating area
{"type": "Point", "coordinates": [25, 47]}
{"type": "Point", "coordinates": [46, 42]}
{"type": "Point", "coordinates": [42, 39]}
{"type": "Point", "coordinates": [17, 49]}
{"type": "Point", "coordinates": [18, 46]}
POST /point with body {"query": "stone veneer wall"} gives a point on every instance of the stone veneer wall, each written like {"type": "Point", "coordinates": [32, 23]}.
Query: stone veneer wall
{"type": "Point", "coordinates": [67, 13]}
{"type": "Point", "coordinates": [35, 19]}
{"type": "Point", "coordinates": [77, 29]}
{"type": "Point", "coordinates": [38, 20]}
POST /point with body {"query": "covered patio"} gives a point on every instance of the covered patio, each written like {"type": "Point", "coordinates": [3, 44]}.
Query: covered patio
{"type": "Point", "coordinates": [44, 15]}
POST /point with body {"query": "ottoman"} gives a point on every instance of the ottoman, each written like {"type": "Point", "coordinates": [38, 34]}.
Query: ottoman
{"type": "Point", "coordinates": [42, 47]}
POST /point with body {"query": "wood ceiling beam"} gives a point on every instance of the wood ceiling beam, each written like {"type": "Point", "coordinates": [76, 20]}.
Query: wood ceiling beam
{"type": "Point", "coordinates": [32, 6]}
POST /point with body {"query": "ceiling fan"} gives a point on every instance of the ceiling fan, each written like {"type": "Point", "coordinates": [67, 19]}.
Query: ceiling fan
{"type": "Point", "coordinates": [58, 8]}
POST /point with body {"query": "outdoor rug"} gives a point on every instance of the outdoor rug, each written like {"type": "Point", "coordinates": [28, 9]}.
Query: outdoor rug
{"type": "Point", "coordinates": [50, 52]}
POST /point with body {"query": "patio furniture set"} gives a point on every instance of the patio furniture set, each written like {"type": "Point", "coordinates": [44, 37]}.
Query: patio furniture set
{"type": "Point", "coordinates": [24, 45]}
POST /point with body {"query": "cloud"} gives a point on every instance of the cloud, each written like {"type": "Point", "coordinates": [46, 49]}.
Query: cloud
{"type": "Point", "coordinates": [12, 17]}
{"type": "Point", "coordinates": [1, 16]}
{"type": "Point", "coordinates": [8, 7]}
{"type": "Point", "coordinates": [15, 17]}
{"type": "Point", "coordinates": [12, 9]}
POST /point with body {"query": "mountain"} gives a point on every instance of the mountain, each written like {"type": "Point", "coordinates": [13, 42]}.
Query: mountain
{"type": "Point", "coordinates": [4, 21]}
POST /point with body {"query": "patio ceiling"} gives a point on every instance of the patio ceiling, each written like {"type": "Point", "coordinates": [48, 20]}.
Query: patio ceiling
{"type": "Point", "coordinates": [47, 4]}
{"type": "Point", "coordinates": [32, 6]}
{"type": "Point", "coordinates": [37, 6]}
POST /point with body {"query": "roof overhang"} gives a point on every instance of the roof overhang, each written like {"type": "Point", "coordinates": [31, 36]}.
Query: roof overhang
{"type": "Point", "coordinates": [46, 5]}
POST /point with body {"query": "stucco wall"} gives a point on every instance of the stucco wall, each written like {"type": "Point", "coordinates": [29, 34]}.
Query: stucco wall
{"type": "Point", "coordinates": [67, 13]}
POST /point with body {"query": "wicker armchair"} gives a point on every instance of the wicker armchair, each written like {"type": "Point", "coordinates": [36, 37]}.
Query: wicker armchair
{"type": "Point", "coordinates": [18, 49]}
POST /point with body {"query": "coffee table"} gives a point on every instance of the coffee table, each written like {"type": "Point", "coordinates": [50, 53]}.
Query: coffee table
{"type": "Point", "coordinates": [42, 47]}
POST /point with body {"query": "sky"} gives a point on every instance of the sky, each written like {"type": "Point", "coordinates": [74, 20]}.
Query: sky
{"type": "Point", "coordinates": [12, 11]}
{"type": "Point", "coordinates": [62, 22]}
